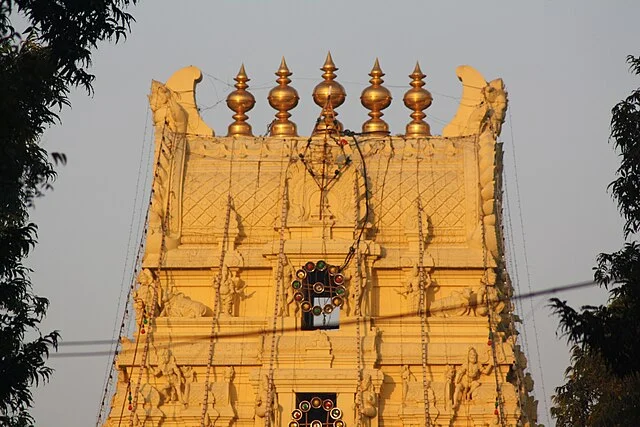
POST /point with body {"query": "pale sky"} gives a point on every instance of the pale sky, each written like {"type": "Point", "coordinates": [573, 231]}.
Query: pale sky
{"type": "Point", "coordinates": [564, 66]}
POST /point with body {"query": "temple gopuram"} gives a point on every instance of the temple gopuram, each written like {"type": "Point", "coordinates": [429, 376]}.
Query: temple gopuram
{"type": "Point", "coordinates": [344, 278]}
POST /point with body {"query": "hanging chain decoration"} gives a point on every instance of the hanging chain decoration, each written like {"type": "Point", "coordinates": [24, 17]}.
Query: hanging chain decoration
{"type": "Point", "coordinates": [318, 279]}
{"type": "Point", "coordinates": [424, 281]}
{"type": "Point", "coordinates": [499, 410]}
{"type": "Point", "coordinates": [217, 307]}
{"type": "Point", "coordinates": [133, 400]}
{"type": "Point", "coordinates": [125, 316]}
{"type": "Point", "coordinates": [358, 303]}
{"type": "Point", "coordinates": [274, 326]}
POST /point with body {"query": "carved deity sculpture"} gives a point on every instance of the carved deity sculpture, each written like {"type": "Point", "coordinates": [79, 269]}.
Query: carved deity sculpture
{"type": "Point", "coordinates": [407, 379]}
{"type": "Point", "coordinates": [449, 379]}
{"type": "Point", "coordinates": [287, 292]}
{"type": "Point", "coordinates": [262, 400]}
{"type": "Point", "coordinates": [458, 303]}
{"type": "Point", "coordinates": [150, 400]}
{"type": "Point", "coordinates": [147, 299]}
{"type": "Point", "coordinates": [166, 109]}
{"type": "Point", "coordinates": [220, 406]}
{"type": "Point", "coordinates": [411, 291]}
{"type": "Point", "coordinates": [413, 394]}
{"type": "Point", "coordinates": [358, 301]}
{"type": "Point", "coordinates": [367, 406]}
{"type": "Point", "coordinates": [468, 377]}
{"type": "Point", "coordinates": [177, 304]}
{"type": "Point", "coordinates": [175, 387]}
{"type": "Point", "coordinates": [231, 289]}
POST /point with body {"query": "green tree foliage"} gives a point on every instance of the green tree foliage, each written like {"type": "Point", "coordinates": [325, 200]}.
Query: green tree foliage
{"type": "Point", "coordinates": [603, 383]}
{"type": "Point", "coordinates": [38, 67]}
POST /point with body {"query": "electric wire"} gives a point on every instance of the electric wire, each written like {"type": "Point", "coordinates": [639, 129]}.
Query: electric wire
{"type": "Point", "coordinates": [500, 298]}
{"type": "Point", "coordinates": [526, 267]}
{"type": "Point", "coordinates": [117, 331]}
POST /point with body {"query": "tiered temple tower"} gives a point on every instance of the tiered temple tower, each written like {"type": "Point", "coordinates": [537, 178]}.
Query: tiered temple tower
{"type": "Point", "coordinates": [339, 279]}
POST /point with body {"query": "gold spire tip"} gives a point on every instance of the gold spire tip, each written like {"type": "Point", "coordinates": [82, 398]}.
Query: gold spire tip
{"type": "Point", "coordinates": [283, 69]}
{"type": "Point", "coordinates": [328, 63]}
{"type": "Point", "coordinates": [242, 73]}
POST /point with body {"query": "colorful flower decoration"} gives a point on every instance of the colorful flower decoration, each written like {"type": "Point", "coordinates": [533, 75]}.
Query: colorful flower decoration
{"type": "Point", "coordinates": [317, 412]}
{"type": "Point", "coordinates": [319, 279]}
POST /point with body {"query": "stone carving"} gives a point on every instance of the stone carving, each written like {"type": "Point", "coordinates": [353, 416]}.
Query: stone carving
{"type": "Point", "coordinates": [286, 295]}
{"type": "Point", "coordinates": [355, 300]}
{"type": "Point", "coordinates": [143, 298]}
{"type": "Point", "coordinates": [165, 213]}
{"type": "Point", "coordinates": [488, 299]}
{"type": "Point", "coordinates": [482, 104]}
{"type": "Point", "coordinates": [177, 304]}
{"type": "Point", "coordinates": [411, 291]}
{"type": "Point", "coordinates": [231, 291]}
{"type": "Point", "coordinates": [166, 109]}
{"type": "Point", "coordinates": [458, 303]}
{"type": "Point", "coordinates": [220, 406]}
{"type": "Point", "coordinates": [150, 400]}
{"type": "Point", "coordinates": [367, 406]}
{"type": "Point", "coordinates": [413, 398]}
{"type": "Point", "coordinates": [262, 400]}
{"type": "Point", "coordinates": [449, 386]}
{"type": "Point", "coordinates": [407, 379]}
{"type": "Point", "coordinates": [468, 377]}
{"type": "Point", "coordinates": [175, 387]}
{"type": "Point", "coordinates": [183, 83]}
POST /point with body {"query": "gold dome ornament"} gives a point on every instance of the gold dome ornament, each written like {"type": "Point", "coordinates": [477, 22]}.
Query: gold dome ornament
{"type": "Point", "coordinates": [240, 101]}
{"type": "Point", "coordinates": [283, 98]}
{"type": "Point", "coordinates": [329, 95]}
{"type": "Point", "coordinates": [417, 99]}
{"type": "Point", "coordinates": [376, 98]}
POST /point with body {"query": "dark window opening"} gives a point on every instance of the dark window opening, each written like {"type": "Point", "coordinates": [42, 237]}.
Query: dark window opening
{"type": "Point", "coordinates": [316, 410]}
{"type": "Point", "coordinates": [311, 321]}
{"type": "Point", "coordinates": [319, 289]}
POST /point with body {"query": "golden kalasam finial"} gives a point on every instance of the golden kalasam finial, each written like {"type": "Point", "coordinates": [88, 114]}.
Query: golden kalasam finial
{"type": "Point", "coordinates": [417, 99]}
{"type": "Point", "coordinates": [329, 95]}
{"type": "Point", "coordinates": [376, 98]}
{"type": "Point", "coordinates": [240, 101]}
{"type": "Point", "coordinates": [283, 98]}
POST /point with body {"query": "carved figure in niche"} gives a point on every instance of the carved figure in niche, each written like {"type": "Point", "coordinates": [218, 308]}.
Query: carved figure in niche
{"type": "Point", "coordinates": [211, 413]}
{"type": "Point", "coordinates": [150, 398]}
{"type": "Point", "coordinates": [143, 298]}
{"type": "Point", "coordinates": [220, 399]}
{"type": "Point", "coordinates": [231, 289]}
{"type": "Point", "coordinates": [288, 292]}
{"type": "Point", "coordinates": [468, 377]}
{"type": "Point", "coordinates": [413, 394]}
{"type": "Point", "coordinates": [359, 305]}
{"type": "Point", "coordinates": [411, 291]}
{"type": "Point", "coordinates": [166, 109]}
{"type": "Point", "coordinates": [449, 378]}
{"type": "Point", "coordinates": [407, 378]}
{"type": "Point", "coordinates": [262, 400]}
{"type": "Point", "coordinates": [458, 303]}
{"type": "Point", "coordinates": [488, 297]}
{"type": "Point", "coordinates": [495, 96]}
{"type": "Point", "coordinates": [319, 339]}
{"type": "Point", "coordinates": [177, 304]}
{"type": "Point", "coordinates": [367, 406]}
{"type": "Point", "coordinates": [176, 388]}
